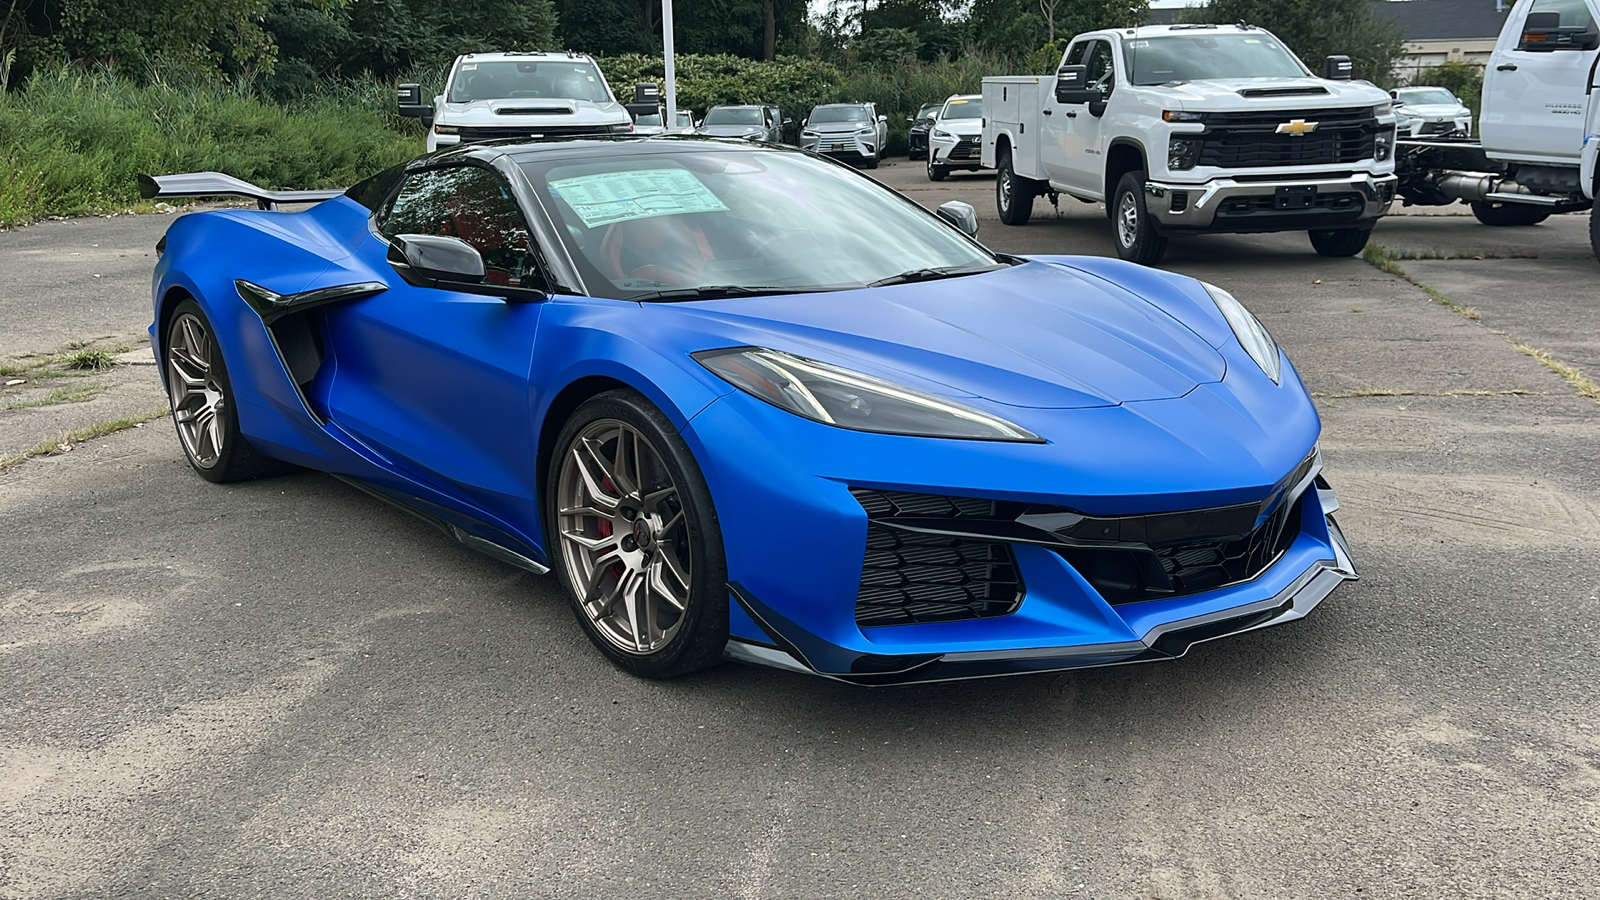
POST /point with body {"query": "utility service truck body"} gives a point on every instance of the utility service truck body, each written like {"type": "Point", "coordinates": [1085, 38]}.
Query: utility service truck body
{"type": "Point", "coordinates": [1189, 129]}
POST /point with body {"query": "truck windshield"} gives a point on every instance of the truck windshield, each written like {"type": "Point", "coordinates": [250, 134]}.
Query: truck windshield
{"type": "Point", "coordinates": [733, 115]}
{"type": "Point", "coordinates": [567, 79]}
{"type": "Point", "coordinates": [1193, 57]}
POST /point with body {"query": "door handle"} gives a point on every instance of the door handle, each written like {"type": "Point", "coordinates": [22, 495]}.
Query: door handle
{"type": "Point", "coordinates": [1071, 114]}
{"type": "Point", "coordinates": [1048, 113]}
{"type": "Point", "coordinates": [1506, 67]}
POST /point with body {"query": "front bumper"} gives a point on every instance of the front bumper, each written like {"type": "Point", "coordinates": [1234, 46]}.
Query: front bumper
{"type": "Point", "coordinates": [961, 152]}
{"type": "Point", "coordinates": [1231, 205]}
{"type": "Point", "coordinates": [847, 147]}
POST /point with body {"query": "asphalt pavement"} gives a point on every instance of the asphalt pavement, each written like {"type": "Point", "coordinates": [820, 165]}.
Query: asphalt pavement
{"type": "Point", "coordinates": [285, 689]}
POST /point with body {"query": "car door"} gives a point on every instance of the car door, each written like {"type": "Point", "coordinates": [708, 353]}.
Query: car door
{"type": "Point", "coordinates": [434, 380]}
{"type": "Point", "coordinates": [1535, 98]}
{"type": "Point", "coordinates": [1074, 159]}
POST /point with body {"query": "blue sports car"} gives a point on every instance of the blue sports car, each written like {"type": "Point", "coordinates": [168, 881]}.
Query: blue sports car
{"type": "Point", "coordinates": [749, 404]}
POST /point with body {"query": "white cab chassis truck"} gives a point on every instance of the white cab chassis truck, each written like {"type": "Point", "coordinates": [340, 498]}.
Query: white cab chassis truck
{"type": "Point", "coordinates": [520, 95]}
{"type": "Point", "coordinates": [1539, 129]}
{"type": "Point", "coordinates": [1194, 129]}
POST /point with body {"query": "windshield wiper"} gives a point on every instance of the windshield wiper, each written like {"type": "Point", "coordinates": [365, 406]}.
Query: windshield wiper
{"type": "Point", "coordinates": [721, 291]}
{"type": "Point", "coordinates": [933, 274]}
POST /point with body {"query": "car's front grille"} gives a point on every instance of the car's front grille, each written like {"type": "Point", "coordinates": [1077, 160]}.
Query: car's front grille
{"type": "Point", "coordinates": [530, 130]}
{"type": "Point", "coordinates": [1244, 140]}
{"type": "Point", "coordinates": [966, 148]}
{"type": "Point", "coordinates": [837, 145]}
{"type": "Point", "coordinates": [910, 577]}
{"type": "Point", "coordinates": [1438, 127]}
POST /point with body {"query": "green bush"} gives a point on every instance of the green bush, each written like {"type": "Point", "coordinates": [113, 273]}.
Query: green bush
{"type": "Point", "coordinates": [73, 140]}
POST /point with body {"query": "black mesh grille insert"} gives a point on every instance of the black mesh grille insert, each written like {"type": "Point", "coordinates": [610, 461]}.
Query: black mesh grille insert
{"type": "Point", "coordinates": [1240, 140]}
{"type": "Point", "coordinates": [909, 577]}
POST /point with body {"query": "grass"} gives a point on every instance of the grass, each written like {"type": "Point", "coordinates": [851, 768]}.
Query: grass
{"type": "Point", "coordinates": [91, 359]}
{"type": "Point", "coordinates": [1387, 260]}
{"type": "Point", "coordinates": [74, 139]}
{"type": "Point", "coordinates": [61, 395]}
{"type": "Point", "coordinates": [66, 442]}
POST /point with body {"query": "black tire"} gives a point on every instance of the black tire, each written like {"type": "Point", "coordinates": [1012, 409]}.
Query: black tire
{"type": "Point", "coordinates": [1013, 195]}
{"type": "Point", "coordinates": [208, 429]}
{"type": "Point", "coordinates": [1132, 228]}
{"type": "Point", "coordinates": [936, 173]}
{"type": "Point", "coordinates": [1594, 231]}
{"type": "Point", "coordinates": [1339, 241]}
{"type": "Point", "coordinates": [870, 162]}
{"type": "Point", "coordinates": [702, 625]}
{"type": "Point", "coordinates": [1503, 215]}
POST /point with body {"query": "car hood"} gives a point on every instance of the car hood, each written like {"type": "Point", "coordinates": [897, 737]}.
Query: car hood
{"type": "Point", "coordinates": [1223, 94]}
{"type": "Point", "coordinates": [963, 127]}
{"type": "Point", "coordinates": [1034, 335]}
{"type": "Point", "coordinates": [732, 130]}
{"type": "Point", "coordinates": [524, 113]}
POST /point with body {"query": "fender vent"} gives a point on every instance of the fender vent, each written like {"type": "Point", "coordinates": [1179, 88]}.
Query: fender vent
{"type": "Point", "coordinates": [1307, 91]}
{"type": "Point", "coordinates": [534, 111]}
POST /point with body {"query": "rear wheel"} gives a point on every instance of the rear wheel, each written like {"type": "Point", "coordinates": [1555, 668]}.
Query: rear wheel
{"type": "Point", "coordinates": [635, 539]}
{"type": "Point", "coordinates": [202, 401]}
{"type": "Point", "coordinates": [1135, 232]}
{"type": "Point", "coordinates": [1503, 215]}
{"type": "Point", "coordinates": [1594, 231]}
{"type": "Point", "coordinates": [935, 172]}
{"type": "Point", "coordinates": [1339, 241]}
{"type": "Point", "coordinates": [1013, 195]}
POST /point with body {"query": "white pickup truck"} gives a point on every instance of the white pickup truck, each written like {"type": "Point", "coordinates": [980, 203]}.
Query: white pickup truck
{"type": "Point", "coordinates": [495, 95]}
{"type": "Point", "coordinates": [1191, 129]}
{"type": "Point", "coordinates": [1539, 128]}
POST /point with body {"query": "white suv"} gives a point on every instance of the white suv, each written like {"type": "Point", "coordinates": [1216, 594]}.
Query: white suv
{"type": "Point", "coordinates": [953, 139]}
{"type": "Point", "coordinates": [495, 95]}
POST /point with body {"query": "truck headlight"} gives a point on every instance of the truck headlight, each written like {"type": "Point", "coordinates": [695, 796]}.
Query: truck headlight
{"type": "Point", "coordinates": [1182, 153]}
{"type": "Point", "coordinates": [1178, 115]}
{"type": "Point", "coordinates": [1383, 145]}
{"type": "Point", "coordinates": [446, 129]}
{"type": "Point", "coordinates": [1383, 109]}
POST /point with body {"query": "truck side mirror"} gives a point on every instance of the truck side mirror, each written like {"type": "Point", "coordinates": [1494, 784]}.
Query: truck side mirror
{"type": "Point", "coordinates": [1072, 85]}
{"type": "Point", "coordinates": [411, 105]}
{"type": "Point", "coordinates": [646, 92]}
{"type": "Point", "coordinates": [1339, 68]}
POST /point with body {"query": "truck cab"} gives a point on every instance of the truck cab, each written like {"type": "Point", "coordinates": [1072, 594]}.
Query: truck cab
{"type": "Point", "coordinates": [496, 95]}
{"type": "Point", "coordinates": [1188, 129]}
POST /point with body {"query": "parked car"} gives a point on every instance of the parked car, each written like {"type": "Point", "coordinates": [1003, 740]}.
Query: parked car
{"type": "Point", "coordinates": [853, 132]}
{"type": "Point", "coordinates": [500, 95]}
{"type": "Point", "coordinates": [953, 141]}
{"type": "Point", "coordinates": [1431, 112]}
{"type": "Point", "coordinates": [917, 136]}
{"type": "Point", "coordinates": [755, 123]}
{"type": "Point", "coordinates": [685, 124]}
{"type": "Point", "coordinates": [747, 405]}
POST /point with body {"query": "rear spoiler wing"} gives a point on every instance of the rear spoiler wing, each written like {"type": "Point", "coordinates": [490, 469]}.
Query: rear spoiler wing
{"type": "Point", "coordinates": [216, 184]}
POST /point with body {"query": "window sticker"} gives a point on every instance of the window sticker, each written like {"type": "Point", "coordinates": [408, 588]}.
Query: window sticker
{"type": "Point", "coordinates": [468, 67]}
{"type": "Point", "coordinates": [622, 196]}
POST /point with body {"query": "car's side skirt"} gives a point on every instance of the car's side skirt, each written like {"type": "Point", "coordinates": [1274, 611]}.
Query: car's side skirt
{"type": "Point", "coordinates": [440, 519]}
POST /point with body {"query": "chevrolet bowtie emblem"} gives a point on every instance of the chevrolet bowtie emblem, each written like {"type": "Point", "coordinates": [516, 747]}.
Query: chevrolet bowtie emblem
{"type": "Point", "coordinates": [1298, 128]}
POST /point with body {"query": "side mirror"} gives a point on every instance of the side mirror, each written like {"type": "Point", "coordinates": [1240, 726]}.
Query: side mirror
{"type": "Point", "coordinates": [431, 260]}
{"type": "Point", "coordinates": [961, 215]}
{"type": "Point", "coordinates": [410, 102]}
{"type": "Point", "coordinates": [1543, 32]}
{"type": "Point", "coordinates": [788, 121]}
{"type": "Point", "coordinates": [1072, 85]}
{"type": "Point", "coordinates": [911, 120]}
{"type": "Point", "coordinates": [1338, 68]}
{"type": "Point", "coordinates": [883, 118]}
{"type": "Point", "coordinates": [1395, 94]}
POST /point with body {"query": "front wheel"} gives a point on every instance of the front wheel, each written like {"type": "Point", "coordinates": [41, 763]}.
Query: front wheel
{"type": "Point", "coordinates": [202, 400]}
{"type": "Point", "coordinates": [1502, 215]}
{"type": "Point", "coordinates": [936, 173]}
{"type": "Point", "coordinates": [871, 162]}
{"type": "Point", "coordinates": [1013, 196]}
{"type": "Point", "coordinates": [1339, 241]}
{"type": "Point", "coordinates": [635, 539]}
{"type": "Point", "coordinates": [1136, 235]}
{"type": "Point", "coordinates": [1594, 231]}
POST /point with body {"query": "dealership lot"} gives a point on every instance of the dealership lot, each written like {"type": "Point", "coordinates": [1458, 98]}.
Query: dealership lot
{"type": "Point", "coordinates": [283, 688]}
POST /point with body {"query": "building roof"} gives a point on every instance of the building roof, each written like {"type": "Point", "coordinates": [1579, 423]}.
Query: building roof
{"type": "Point", "coordinates": [1420, 20]}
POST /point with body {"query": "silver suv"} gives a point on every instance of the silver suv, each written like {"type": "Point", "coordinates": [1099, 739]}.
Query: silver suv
{"type": "Point", "coordinates": [753, 123]}
{"type": "Point", "coordinates": [847, 131]}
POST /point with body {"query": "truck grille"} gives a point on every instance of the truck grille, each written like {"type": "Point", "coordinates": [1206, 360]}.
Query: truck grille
{"type": "Point", "coordinates": [1243, 140]}
{"type": "Point", "coordinates": [910, 578]}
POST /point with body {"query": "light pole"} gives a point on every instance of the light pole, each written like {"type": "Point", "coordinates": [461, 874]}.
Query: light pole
{"type": "Point", "coordinates": [672, 74]}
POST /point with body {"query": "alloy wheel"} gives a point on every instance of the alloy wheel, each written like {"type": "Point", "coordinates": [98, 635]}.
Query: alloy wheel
{"type": "Point", "coordinates": [624, 537]}
{"type": "Point", "coordinates": [197, 394]}
{"type": "Point", "coordinates": [1128, 219]}
{"type": "Point", "coordinates": [1003, 188]}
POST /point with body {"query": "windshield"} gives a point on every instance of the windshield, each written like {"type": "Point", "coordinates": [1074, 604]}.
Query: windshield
{"type": "Point", "coordinates": [734, 115]}
{"type": "Point", "coordinates": [649, 222]}
{"type": "Point", "coordinates": [685, 119]}
{"type": "Point", "coordinates": [1193, 57]}
{"type": "Point", "coordinates": [567, 79]}
{"type": "Point", "coordinates": [648, 119]}
{"type": "Point", "coordinates": [1426, 97]}
{"type": "Point", "coordinates": [963, 108]}
{"type": "Point", "coordinates": [824, 114]}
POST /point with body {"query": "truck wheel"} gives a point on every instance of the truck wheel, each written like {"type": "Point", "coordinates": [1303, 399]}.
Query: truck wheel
{"type": "Point", "coordinates": [1594, 230]}
{"type": "Point", "coordinates": [1135, 232]}
{"type": "Point", "coordinates": [1504, 214]}
{"type": "Point", "coordinates": [936, 173]}
{"type": "Point", "coordinates": [1013, 196]}
{"type": "Point", "coordinates": [1339, 241]}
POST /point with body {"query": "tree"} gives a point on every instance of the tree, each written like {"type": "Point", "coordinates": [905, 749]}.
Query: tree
{"type": "Point", "coordinates": [1317, 29]}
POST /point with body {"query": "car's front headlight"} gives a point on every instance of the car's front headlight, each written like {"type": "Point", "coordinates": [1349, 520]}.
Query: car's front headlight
{"type": "Point", "coordinates": [808, 134]}
{"type": "Point", "coordinates": [846, 399]}
{"type": "Point", "coordinates": [942, 135]}
{"type": "Point", "coordinates": [1248, 329]}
